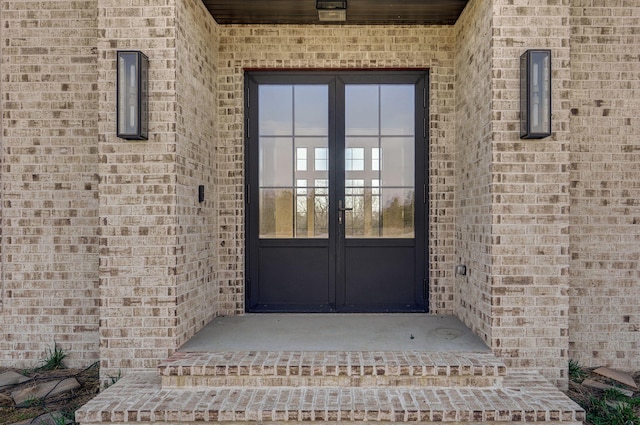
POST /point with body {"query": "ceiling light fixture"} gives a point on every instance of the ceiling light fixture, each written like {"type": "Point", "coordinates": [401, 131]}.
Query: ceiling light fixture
{"type": "Point", "coordinates": [332, 10]}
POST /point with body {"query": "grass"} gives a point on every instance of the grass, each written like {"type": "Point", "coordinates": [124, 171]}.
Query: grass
{"type": "Point", "coordinates": [31, 402]}
{"type": "Point", "coordinates": [605, 411]}
{"type": "Point", "coordinates": [21, 416]}
{"type": "Point", "coordinates": [54, 359]}
{"type": "Point", "coordinates": [113, 379]}
{"type": "Point", "coordinates": [576, 374]}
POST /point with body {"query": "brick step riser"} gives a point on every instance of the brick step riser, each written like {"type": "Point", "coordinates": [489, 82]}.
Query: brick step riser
{"type": "Point", "coordinates": [353, 416]}
{"type": "Point", "coordinates": [331, 369]}
{"type": "Point", "coordinates": [338, 417]}
{"type": "Point", "coordinates": [140, 399]}
{"type": "Point", "coordinates": [342, 422]}
{"type": "Point", "coordinates": [355, 370]}
{"type": "Point", "coordinates": [169, 382]}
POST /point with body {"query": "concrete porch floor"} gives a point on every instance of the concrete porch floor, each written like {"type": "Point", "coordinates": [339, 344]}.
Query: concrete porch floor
{"type": "Point", "coordinates": [336, 332]}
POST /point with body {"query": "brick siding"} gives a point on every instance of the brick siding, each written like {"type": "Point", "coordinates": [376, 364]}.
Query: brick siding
{"type": "Point", "coordinates": [138, 194]}
{"type": "Point", "coordinates": [530, 197]}
{"type": "Point", "coordinates": [605, 188]}
{"type": "Point", "coordinates": [472, 214]}
{"type": "Point", "coordinates": [197, 242]}
{"type": "Point", "coordinates": [107, 251]}
{"type": "Point", "coordinates": [49, 181]}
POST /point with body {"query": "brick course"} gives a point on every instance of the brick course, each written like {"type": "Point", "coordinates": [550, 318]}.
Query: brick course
{"type": "Point", "coordinates": [605, 193]}
{"type": "Point", "coordinates": [138, 194]}
{"type": "Point", "coordinates": [196, 267]}
{"type": "Point", "coordinates": [49, 181]}
{"type": "Point", "coordinates": [159, 245]}
{"type": "Point", "coordinates": [473, 157]}
{"type": "Point", "coordinates": [530, 196]}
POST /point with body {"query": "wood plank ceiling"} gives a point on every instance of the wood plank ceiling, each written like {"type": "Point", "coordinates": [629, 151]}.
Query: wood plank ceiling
{"type": "Point", "coordinates": [370, 12]}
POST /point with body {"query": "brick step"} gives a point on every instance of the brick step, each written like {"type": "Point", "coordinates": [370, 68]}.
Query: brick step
{"type": "Point", "coordinates": [140, 399]}
{"type": "Point", "coordinates": [331, 369]}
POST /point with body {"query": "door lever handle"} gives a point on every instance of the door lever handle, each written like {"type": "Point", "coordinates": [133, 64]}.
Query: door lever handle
{"type": "Point", "coordinates": [342, 208]}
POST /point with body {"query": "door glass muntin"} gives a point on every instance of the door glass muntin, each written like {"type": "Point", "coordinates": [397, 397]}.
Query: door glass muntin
{"type": "Point", "coordinates": [380, 160]}
{"type": "Point", "coordinates": [379, 165]}
{"type": "Point", "coordinates": [293, 167]}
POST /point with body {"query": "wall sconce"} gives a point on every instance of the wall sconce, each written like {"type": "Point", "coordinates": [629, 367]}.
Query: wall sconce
{"type": "Point", "coordinates": [332, 10]}
{"type": "Point", "coordinates": [535, 94]}
{"type": "Point", "coordinates": [132, 98]}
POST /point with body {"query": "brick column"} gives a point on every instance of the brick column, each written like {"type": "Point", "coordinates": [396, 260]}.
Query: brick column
{"type": "Point", "coordinates": [512, 223]}
{"type": "Point", "coordinates": [530, 197]}
{"type": "Point", "coordinates": [138, 190]}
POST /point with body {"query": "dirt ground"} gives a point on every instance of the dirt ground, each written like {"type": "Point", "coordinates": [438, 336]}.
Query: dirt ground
{"type": "Point", "coordinates": [39, 411]}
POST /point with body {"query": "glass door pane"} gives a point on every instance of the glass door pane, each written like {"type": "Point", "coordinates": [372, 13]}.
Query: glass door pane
{"type": "Point", "coordinates": [379, 161]}
{"type": "Point", "coordinates": [293, 125]}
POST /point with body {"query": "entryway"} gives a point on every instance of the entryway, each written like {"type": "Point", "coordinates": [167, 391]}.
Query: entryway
{"type": "Point", "coordinates": [336, 191]}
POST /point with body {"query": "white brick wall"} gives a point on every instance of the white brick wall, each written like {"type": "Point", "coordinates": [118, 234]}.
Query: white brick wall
{"type": "Point", "coordinates": [196, 265]}
{"type": "Point", "coordinates": [49, 288]}
{"type": "Point", "coordinates": [472, 165]}
{"type": "Point", "coordinates": [530, 197]}
{"type": "Point", "coordinates": [605, 194]}
{"type": "Point", "coordinates": [138, 194]}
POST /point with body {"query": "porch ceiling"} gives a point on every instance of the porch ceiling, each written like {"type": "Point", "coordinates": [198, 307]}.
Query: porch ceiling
{"type": "Point", "coordinates": [371, 12]}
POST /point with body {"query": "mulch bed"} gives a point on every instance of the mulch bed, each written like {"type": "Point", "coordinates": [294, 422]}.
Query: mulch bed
{"type": "Point", "coordinates": [39, 411]}
{"type": "Point", "coordinates": [585, 395]}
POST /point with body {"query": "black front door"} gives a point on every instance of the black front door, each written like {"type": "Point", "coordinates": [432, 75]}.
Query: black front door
{"type": "Point", "coordinates": [336, 191]}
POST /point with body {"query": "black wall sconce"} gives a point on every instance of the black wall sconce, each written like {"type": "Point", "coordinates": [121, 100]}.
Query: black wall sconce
{"type": "Point", "coordinates": [535, 94]}
{"type": "Point", "coordinates": [132, 95]}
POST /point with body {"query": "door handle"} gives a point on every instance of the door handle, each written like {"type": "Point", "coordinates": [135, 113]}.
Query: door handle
{"type": "Point", "coordinates": [341, 211]}
{"type": "Point", "coordinates": [342, 208]}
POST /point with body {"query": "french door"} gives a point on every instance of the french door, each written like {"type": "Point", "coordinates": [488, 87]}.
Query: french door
{"type": "Point", "coordinates": [335, 200]}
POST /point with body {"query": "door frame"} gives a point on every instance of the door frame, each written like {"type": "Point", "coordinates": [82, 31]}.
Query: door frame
{"type": "Point", "coordinates": [255, 77]}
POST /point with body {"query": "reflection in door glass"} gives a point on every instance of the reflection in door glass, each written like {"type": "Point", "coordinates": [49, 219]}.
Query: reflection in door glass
{"type": "Point", "coordinates": [321, 159]}
{"type": "Point", "coordinates": [301, 159]}
{"type": "Point", "coordinates": [293, 161]}
{"type": "Point", "coordinates": [354, 159]}
{"type": "Point", "coordinates": [379, 161]}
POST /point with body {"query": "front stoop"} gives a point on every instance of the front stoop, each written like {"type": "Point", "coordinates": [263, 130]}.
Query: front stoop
{"type": "Point", "coordinates": [315, 387]}
{"type": "Point", "coordinates": [331, 369]}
